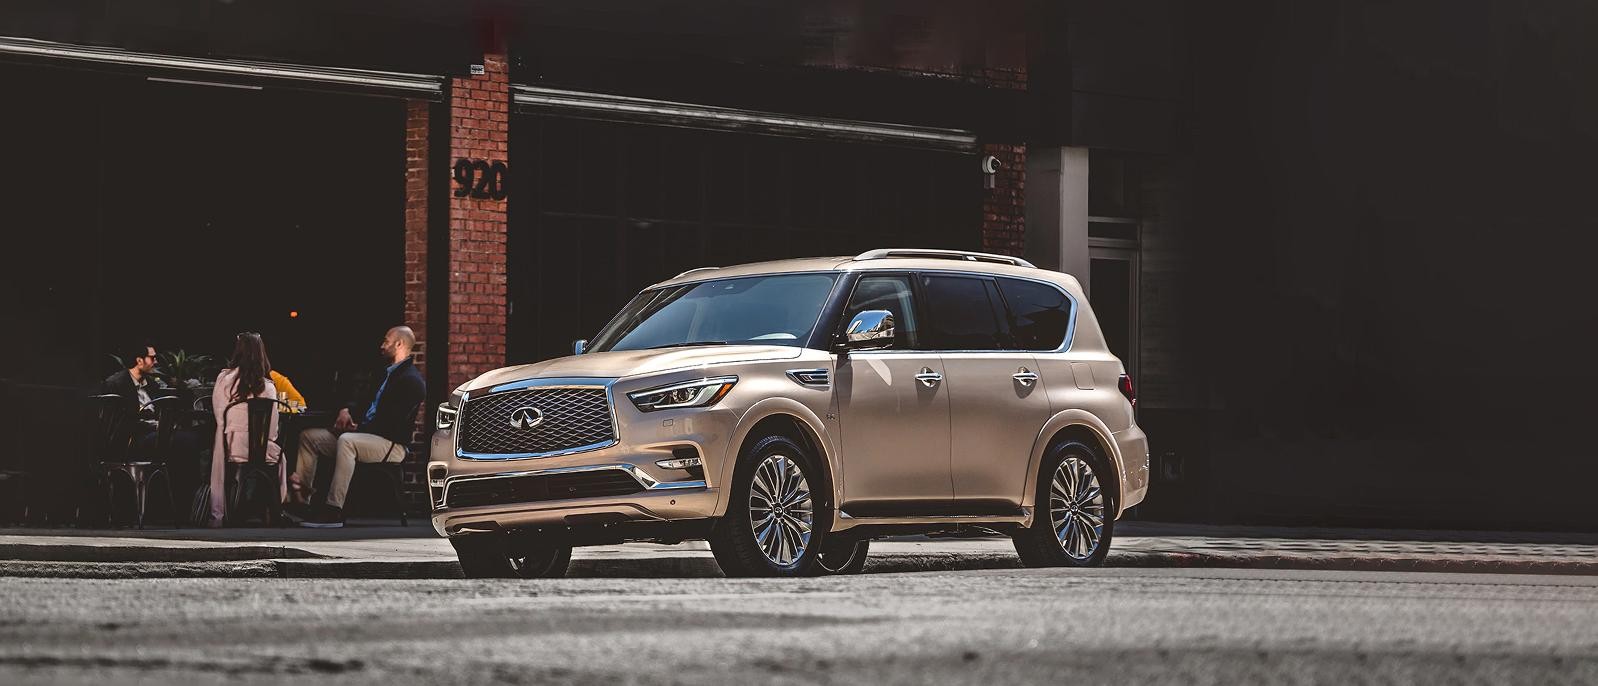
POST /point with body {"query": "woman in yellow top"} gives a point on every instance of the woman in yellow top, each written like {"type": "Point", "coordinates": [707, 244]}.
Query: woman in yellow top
{"type": "Point", "coordinates": [286, 391]}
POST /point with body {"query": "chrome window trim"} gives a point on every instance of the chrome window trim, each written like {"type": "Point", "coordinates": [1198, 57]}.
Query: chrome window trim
{"type": "Point", "coordinates": [524, 384]}
{"type": "Point", "coordinates": [1070, 328]}
{"type": "Point", "coordinates": [648, 482]}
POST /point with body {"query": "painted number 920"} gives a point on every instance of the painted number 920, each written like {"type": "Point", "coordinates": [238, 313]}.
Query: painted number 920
{"type": "Point", "coordinates": [481, 179]}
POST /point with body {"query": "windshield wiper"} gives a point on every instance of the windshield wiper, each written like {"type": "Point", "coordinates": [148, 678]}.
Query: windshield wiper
{"type": "Point", "coordinates": [689, 343]}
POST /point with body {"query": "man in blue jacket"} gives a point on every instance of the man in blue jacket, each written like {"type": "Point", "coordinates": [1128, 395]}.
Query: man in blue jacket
{"type": "Point", "coordinates": [376, 432]}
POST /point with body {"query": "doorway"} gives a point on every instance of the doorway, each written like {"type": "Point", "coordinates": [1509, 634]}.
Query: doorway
{"type": "Point", "coordinates": [1112, 288]}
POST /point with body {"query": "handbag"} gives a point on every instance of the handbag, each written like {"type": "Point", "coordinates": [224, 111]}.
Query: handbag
{"type": "Point", "coordinates": [200, 507]}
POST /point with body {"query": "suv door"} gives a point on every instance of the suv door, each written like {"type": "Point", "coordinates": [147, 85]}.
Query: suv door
{"type": "Point", "coordinates": [894, 426]}
{"type": "Point", "coordinates": [996, 397]}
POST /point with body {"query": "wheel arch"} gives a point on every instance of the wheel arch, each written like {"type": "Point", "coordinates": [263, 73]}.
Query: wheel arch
{"type": "Point", "coordinates": [778, 416]}
{"type": "Point", "coordinates": [1082, 426]}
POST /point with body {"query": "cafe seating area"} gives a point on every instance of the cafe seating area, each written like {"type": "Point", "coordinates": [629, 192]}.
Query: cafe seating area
{"type": "Point", "coordinates": [92, 460]}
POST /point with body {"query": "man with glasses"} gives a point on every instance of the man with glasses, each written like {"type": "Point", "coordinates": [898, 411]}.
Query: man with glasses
{"type": "Point", "coordinates": [134, 382]}
{"type": "Point", "coordinates": [139, 384]}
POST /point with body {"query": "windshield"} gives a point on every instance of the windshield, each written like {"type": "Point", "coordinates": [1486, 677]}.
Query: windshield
{"type": "Point", "coordinates": [762, 310]}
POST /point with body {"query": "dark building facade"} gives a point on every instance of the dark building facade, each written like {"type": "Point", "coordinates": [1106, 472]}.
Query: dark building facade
{"type": "Point", "coordinates": [1296, 220]}
{"type": "Point", "coordinates": [501, 176]}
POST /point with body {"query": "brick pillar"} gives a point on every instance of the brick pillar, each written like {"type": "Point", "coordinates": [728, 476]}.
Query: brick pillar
{"type": "Point", "coordinates": [1004, 205]}
{"type": "Point", "coordinates": [416, 225]}
{"type": "Point", "coordinates": [479, 110]}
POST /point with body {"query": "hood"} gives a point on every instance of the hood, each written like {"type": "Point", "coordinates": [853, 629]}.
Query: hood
{"type": "Point", "coordinates": [611, 365]}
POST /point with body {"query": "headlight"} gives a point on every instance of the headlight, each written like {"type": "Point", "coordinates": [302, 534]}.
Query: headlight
{"type": "Point", "coordinates": [701, 393]}
{"type": "Point", "coordinates": [448, 410]}
{"type": "Point", "coordinates": [446, 416]}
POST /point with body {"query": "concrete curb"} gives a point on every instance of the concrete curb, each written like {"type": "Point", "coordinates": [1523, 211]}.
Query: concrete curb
{"type": "Point", "coordinates": [704, 566]}
{"type": "Point", "coordinates": [139, 570]}
{"type": "Point", "coordinates": [1352, 563]}
{"type": "Point", "coordinates": [58, 552]}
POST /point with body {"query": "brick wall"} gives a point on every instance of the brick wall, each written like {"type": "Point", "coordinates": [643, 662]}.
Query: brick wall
{"type": "Point", "coordinates": [479, 129]}
{"type": "Point", "coordinates": [414, 496]}
{"type": "Point", "coordinates": [416, 225]}
{"type": "Point", "coordinates": [1004, 205]}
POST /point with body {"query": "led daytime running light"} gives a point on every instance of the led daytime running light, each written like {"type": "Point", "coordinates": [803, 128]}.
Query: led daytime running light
{"type": "Point", "coordinates": [701, 393]}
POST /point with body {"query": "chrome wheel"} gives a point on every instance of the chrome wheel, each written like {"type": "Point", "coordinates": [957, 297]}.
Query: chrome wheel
{"type": "Point", "coordinates": [780, 509]}
{"type": "Point", "coordinates": [1076, 508]}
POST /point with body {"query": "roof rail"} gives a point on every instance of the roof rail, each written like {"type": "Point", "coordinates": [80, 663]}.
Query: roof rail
{"type": "Point", "coordinates": [695, 269]}
{"type": "Point", "coordinates": [884, 253]}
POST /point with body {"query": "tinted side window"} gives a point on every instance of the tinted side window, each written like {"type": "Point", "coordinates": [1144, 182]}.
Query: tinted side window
{"type": "Point", "coordinates": [961, 314]}
{"type": "Point", "coordinates": [891, 293]}
{"type": "Point", "coordinates": [1039, 314]}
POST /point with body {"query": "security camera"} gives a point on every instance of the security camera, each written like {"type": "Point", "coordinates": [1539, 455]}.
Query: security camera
{"type": "Point", "coordinates": [990, 165]}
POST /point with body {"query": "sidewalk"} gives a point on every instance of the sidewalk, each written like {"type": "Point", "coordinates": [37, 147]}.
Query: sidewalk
{"type": "Point", "coordinates": [378, 549]}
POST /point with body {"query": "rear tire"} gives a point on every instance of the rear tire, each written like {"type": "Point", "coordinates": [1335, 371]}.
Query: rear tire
{"type": "Point", "coordinates": [773, 526]}
{"type": "Point", "coordinates": [1073, 516]}
{"type": "Point", "coordinates": [510, 556]}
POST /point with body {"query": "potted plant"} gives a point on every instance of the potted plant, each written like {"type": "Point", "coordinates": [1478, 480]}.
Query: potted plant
{"type": "Point", "coordinates": [195, 371]}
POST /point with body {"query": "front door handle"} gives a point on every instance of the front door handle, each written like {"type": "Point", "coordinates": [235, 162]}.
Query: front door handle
{"type": "Point", "coordinates": [1025, 376]}
{"type": "Point", "coordinates": [929, 378]}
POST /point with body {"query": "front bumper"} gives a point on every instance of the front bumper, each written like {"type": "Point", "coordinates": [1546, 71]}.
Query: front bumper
{"type": "Point", "coordinates": [664, 495]}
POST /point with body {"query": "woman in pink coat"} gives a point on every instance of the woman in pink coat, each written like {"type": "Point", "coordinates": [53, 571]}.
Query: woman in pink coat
{"type": "Point", "coordinates": [246, 377]}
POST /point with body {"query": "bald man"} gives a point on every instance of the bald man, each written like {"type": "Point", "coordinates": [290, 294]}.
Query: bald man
{"type": "Point", "coordinates": [376, 432]}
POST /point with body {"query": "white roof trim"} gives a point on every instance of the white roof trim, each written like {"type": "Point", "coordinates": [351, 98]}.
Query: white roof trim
{"type": "Point", "coordinates": [607, 106]}
{"type": "Point", "coordinates": [358, 79]}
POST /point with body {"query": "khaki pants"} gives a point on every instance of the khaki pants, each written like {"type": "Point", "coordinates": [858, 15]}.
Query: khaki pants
{"type": "Point", "coordinates": [349, 448]}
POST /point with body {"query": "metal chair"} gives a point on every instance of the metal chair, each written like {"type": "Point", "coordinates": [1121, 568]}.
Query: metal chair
{"type": "Point", "coordinates": [110, 441]}
{"type": "Point", "coordinates": [260, 426]}
{"type": "Point", "coordinates": [116, 418]}
{"type": "Point", "coordinates": [394, 471]}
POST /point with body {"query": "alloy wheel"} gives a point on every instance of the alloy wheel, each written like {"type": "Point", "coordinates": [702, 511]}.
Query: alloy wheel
{"type": "Point", "coordinates": [780, 513]}
{"type": "Point", "coordinates": [1076, 508]}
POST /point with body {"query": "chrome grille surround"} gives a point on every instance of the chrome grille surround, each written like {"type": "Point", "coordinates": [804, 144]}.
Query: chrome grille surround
{"type": "Point", "coordinates": [576, 417]}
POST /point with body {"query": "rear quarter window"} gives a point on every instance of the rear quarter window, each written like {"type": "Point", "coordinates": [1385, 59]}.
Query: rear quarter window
{"type": "Point", "coordinates": [1040, 314]}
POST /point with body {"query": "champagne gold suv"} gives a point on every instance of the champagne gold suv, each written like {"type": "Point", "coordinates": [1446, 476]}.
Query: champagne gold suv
{"type": "Point", "coordinates": [788, 412]}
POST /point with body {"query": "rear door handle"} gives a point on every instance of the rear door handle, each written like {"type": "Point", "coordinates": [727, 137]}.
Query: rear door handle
{"type": "Point", "coordinates": [929, 378]}
{"type": "Point", "coordinates": [1027, 378]}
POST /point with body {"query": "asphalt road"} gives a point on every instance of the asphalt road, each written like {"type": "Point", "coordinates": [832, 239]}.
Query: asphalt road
{"type": "Point", "coordinates": [991, 627]}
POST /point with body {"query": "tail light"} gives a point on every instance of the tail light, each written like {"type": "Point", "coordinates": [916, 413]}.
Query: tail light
{"type": "Point", "coordinates": [1125, 384]}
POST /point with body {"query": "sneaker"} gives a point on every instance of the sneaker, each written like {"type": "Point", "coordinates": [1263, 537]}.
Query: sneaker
{"type": "Point", "coordinates": [324, 517]}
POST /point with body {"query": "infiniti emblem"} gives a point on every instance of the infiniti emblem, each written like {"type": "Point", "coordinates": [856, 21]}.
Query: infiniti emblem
{"type": "Point", "coordinates": [526, 418]}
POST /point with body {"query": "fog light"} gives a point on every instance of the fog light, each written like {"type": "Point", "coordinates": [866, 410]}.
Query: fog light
{"type": "Point", "coordinates": [436, 474]}
{"type": "Point", "coordinates": [681, 463]}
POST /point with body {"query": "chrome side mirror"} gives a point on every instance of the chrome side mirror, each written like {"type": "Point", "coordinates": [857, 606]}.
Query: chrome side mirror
{"type": "Point", "coordinates": [868, 330]}
{"type": "Point", "coordinates": [579, 345]}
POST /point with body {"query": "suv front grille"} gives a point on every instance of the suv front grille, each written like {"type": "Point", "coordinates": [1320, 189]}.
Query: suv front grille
{"type": "Point", "coordinates": [534, 488]}
{"type": "Point", "coordinates": [572, 418]}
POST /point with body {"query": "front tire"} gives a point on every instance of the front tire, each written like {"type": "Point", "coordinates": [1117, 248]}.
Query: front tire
{"type": "Point", "coordinates": [771, 527]}
{"type": "Point", "coordinates": [516, 555]}
{"type": "Point", "coordinates": [1074, 511]}
{"type": "Point", "coordinates": [843, 557]}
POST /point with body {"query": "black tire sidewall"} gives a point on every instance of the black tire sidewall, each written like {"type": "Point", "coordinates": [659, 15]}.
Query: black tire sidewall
{"type": "Point", "coordinates": [859, 551]}
{"type": "Point", "coordinates": [487, 556]}
{"type": "Point", "coordinates": [550, 560]}
{"type": "Point", "coordinates": [733, 540]}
